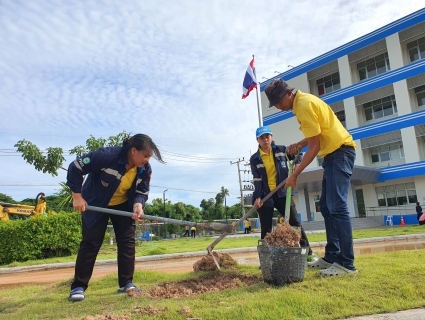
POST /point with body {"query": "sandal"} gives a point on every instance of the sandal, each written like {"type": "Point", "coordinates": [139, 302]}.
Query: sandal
{"type": "Point", "coordinates": [129, 286]}
{"type": "Point", "coordinates": [319, 264]}
{"type": "Point", "coordinates": [77, 294]}
{"type": "Point", "coordinates": [336, 270]}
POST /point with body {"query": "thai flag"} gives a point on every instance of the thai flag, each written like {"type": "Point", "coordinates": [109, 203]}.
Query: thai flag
{"type": "Point", "coordinates": [250, 80]}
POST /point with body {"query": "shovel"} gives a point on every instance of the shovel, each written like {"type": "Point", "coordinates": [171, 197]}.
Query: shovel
{"type": "Point", "coordinates": [291, 165]}
{"type": "Point", "coordinates": [219, 227]}
{"type": "Point", "coordinates": [210, 248]}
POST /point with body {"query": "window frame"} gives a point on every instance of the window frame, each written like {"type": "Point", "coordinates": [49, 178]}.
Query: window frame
{"type": "Point", "coordinates": [384, 151]}
{"type": "Point", "coordinates": [330, 79]}
{"type": "Point", "coordinates": [416, 45]}
{"type": "Point", "coordinates": [391, 195]}
{"type": "Point", "coordinates": [369, 68]}
{"type": "Point", "coordinates": [420, 91]}
{"type": "Point", "coordinates": [371, 109]}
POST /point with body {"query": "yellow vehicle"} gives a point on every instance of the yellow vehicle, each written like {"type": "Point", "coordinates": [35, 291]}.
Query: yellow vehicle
{"type": "Point", "coordinates": [22, 209]}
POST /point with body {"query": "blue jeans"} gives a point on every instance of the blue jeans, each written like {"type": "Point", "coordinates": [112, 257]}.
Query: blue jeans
{"type": "Point", "coordinates": [338, 167]}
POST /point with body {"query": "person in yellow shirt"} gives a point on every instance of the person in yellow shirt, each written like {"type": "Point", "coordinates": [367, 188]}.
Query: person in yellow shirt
{"type": "Point", "coordinates": [324, 136]}
{"type": "Point", "coordinates": [193, 232]}
{"type": "Point", "coordinates": [186, 227]}
{"type": "Point", "coordinates": [40, 208]}
{"type": "Point", "coordinates": [269, 167]}
{"type": "Point", "coordinates": [280, 219]}
{"type": "Point", "coordinates": [247, 226]}
{"type": "Point", "coordinates": [117, 178]}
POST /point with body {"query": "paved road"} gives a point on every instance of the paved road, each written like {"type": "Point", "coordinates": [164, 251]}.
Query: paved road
{"type": "Point", "coordinates": [60, 272]}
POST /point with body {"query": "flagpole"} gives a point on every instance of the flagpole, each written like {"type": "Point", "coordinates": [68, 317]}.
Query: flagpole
{"type": "Point", "coordinates": [260, 119]}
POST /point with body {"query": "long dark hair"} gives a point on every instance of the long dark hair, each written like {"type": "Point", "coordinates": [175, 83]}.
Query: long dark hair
{"type": "Point", "coordinates": [142, 142]}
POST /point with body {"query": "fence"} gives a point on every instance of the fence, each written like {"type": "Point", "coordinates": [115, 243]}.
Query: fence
{"type": "Point", "coordinates": [393, 211]}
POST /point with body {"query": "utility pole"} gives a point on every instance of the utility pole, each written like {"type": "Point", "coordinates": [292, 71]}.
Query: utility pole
{"type": "Point", "coordinates": [240, 183]}
{"type": "Point", "coordinates": [165, 212]}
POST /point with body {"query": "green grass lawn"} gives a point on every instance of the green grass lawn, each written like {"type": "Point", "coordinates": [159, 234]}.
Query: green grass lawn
{"type": "Point", "coordinates": [386, 282]}
{"type": "Point", "coordinates": [199, 244]}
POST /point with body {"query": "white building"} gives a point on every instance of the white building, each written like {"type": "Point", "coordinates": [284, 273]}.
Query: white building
{"type": "Point", "coordinates": [376, 87]}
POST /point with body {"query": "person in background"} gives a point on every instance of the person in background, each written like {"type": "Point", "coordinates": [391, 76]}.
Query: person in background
{"type": "Point", "coordinates": [324, 136]}
{"type": "Point", "coordinates": [186, 227]}
{"type": "Point", "coordinates": [247, 226]}
{"type": "Point", "coordinates": [193, 232]}
{"type": "Point", "coordinates": [269, 168]}
{"type": "Point", "coordinates": [40, 207]}
{"type": "Point", "coordinates": [419, 213]}
{"type": "Point", "coordinates": [280, 219]}
{"type": "Point", "coordinates": [117, 178]}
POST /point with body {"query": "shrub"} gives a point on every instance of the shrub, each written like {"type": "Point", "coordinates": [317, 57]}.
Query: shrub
{"type": "Point", "coordinates": [40, 237]}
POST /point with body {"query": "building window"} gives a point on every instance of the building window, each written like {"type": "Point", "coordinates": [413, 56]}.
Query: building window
{"type": "Point", "coordinates": [328, 84]}
{"type": "Point", "coordinates": [420, 95]}
{"type": "Point", "coordinates": [396, 195]}
{"type": "Point", "coordinates": [341, 116]}
{"type": "Point", "coordinates": [381, 108]}
{"type": "Point", "coordinates": [374, 66]}
{"type": "Point", "coordinates": [387, 152]}
{"type": "Point", "coordinates": [416, 49]}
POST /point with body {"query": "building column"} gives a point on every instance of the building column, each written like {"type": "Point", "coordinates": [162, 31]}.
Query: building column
{"type": "Point", "coordinates": [395, 54]}
{"type": "Point", "coordinates": [307, 204]}
{"type": "Point", "coordinates": [355, 204]}
{"type": "Point", "coordinates": [410, 145]}
{"type": "Point", "coordinates": [302, 206]}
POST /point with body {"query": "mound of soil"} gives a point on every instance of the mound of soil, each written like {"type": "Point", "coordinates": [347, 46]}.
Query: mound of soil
{"type": "Point", "coordinates": [211, 282]}
{"type": "Point", "coordinates": [207, 262]}
{"type": "Point", "coordinates": [283, 236]}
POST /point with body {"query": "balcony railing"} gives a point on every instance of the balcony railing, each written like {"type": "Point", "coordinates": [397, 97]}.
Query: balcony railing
{"type": "Point", "coordinates": [390, 211]}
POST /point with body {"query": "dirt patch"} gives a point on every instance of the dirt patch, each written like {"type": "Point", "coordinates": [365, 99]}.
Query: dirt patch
{"type": "Point", "coordinates": [207, 262]}
{"type": "Point", "coordinates": [210, 282]}
{"type": "Point", "coordinates": [149, 310]}
{"type": "Point", "coordinates": [283, 236]}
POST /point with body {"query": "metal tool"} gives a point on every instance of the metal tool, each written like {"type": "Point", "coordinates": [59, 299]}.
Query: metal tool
{"type": "Point", "coordinates": [215, 226]}
{"type": "Point", "coordinates": [291, 165]}
{"type": "Point", "coordinates": [210, 248]}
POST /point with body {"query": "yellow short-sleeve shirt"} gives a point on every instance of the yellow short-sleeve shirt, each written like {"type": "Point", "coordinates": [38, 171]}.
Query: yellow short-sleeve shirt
{"type": "Point", "coordinates": [270, 167]}
{"type": "Point", "coordinates": [120, 195]}
{"type": "Point", "coordinates": [316, 118]}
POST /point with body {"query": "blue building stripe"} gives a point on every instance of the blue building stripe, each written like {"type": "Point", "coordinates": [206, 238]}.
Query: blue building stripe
{"type": "Point", "coordinates": [397, 123]}
{"type": "Point", "coordinates": [411, 70]}
{"type": "Point", "coordinates": [402, 171]}
{"type": "Point", "coordinates": [379, 34]}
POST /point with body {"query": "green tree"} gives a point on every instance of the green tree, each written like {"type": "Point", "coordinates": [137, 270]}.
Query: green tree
{"type": "Point", "coordinates": [223, 194]}
{"type": "Point", "coordinates": [208, 208]}
{"type": "Point", "coordinates": [6, 198]}
{"type": "Point", "coordinates": [54, 158]}
{"type": "Point", "coordinates": [235, 211]}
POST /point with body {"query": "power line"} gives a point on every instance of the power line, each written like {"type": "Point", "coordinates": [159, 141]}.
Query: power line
{"type": "Point", "coordinates": [57, 185]}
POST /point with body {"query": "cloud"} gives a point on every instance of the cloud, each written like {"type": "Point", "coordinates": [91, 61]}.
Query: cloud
{"type": "Point", "coordinates": [172, 70]}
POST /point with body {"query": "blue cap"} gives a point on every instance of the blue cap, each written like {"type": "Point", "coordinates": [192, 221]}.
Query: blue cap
{"type": "Point", "coordinates": [262, 130]}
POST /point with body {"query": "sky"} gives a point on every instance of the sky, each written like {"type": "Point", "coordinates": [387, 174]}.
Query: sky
{"type": "Point", "coordinates": [170, 69]}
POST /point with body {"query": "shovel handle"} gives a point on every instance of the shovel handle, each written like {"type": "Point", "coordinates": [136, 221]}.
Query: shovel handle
{"type": "Point", "coordinates": [219, 227]}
